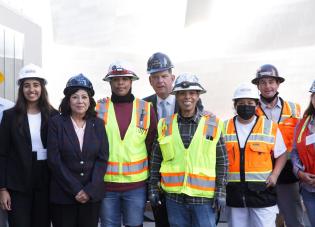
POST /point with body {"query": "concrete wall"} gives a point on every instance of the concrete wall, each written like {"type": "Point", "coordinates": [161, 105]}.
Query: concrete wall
{"type": "Point", "coordinates": [18, 32]}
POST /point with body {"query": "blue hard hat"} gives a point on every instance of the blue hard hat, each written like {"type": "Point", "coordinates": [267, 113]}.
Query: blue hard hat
{"type": "Point", "coordinates": [159, 62]}
{"type": "Point", "coordinates": [79, 81]}
{"type": "Point", "coordinates": [267, 71]}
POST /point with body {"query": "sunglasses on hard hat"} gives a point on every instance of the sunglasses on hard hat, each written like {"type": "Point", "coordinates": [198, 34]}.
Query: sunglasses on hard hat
{"type": "Point", "coordinates": [186, 84]}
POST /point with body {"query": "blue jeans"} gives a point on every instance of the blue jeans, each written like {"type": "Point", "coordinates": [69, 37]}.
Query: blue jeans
{"type": "Point", "coordinates": [190, 215]}
{"type": "Point", "coordinates": [309, 202]}
{"type": "Point", "coordinates": [128, 206]}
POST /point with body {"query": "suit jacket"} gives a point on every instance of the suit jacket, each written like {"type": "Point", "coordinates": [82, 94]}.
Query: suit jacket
{"type": "Point", "coordinates": [72, 169]}
{"type": "Point", "coordinates": [16, 154]}
{"type": "Point", "coordinates": [153, 99]}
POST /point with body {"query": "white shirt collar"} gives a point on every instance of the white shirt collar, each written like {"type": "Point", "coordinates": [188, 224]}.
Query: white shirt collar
{"type": "Point", "coordinates": [169, 100]}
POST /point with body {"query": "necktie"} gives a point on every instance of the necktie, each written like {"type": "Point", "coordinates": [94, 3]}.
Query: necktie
{"type": "Point", "coordinates": [163, 108]}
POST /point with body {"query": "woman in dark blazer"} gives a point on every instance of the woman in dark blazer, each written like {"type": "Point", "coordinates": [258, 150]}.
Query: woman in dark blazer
{"type": "Point", "coordinates": [77, 156]}
{"type": "Point", "coordinates": [24, 175]}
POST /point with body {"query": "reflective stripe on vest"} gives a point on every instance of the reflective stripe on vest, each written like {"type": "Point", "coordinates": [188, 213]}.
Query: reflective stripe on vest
{"type": "Point", "coordinates": [135, 167]}
{"type": "Point", "coordinates": [128, 161]}
{"type": "Point", "coordinates": [249, 176]}
{"type": "Point", "coordinates": [258, 149]}
{"type": "Point", "coordinates": [263, 137]}
{"type": "Point", "coordinates": [288, 119]}
{"type": "Point", "coordinates": [141, 106]}
{"type": "Point", "coordinates": [191, 170]}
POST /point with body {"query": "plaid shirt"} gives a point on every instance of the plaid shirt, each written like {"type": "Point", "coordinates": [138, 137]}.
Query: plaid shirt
{"type": "Point", "coordinates": [187, 128]}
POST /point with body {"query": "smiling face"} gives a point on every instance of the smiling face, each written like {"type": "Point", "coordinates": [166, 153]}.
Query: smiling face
{"type": "Point", "coordinates": [187, 101]}
{"type": "Point", "coordinates": [79, 102]}
{"type": "Point", "coordinates": [121, 85]}
{"type": "Point", "coordinates": [32, 90]}
{"type": "Point", "coordinates": [268, 86]}
{"type": "Point", "coordinates": [162, 83]}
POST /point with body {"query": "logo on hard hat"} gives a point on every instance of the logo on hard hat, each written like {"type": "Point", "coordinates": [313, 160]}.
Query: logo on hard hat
{"type": "Point", "coordinates": [30, 71]}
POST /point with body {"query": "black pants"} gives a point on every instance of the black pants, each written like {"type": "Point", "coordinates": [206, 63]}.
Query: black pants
{"type": "Point", "coordinates": [29, 209]}
{"type": "Point", "coordinates": [75, 215]}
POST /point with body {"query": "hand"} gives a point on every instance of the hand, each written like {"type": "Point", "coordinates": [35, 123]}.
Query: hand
{"type": "Point", "coordinates": [219, 203]}
{"type": "Point", "coordinates": [271, 180]}
{"type": "Point", "coordinates": [154, 199]}
{"type": "Point", "coordinates": [307, 178]}
{"type": "Point", "coordinates": [82, 197]}
{"type": "Point", "coordinates": [5, 200]}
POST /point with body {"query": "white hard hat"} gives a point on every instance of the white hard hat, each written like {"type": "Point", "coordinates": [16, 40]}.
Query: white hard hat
{"type": "Point", "coordinates": [312, 89]}
{"type": "Point", "coordinates": [186, 82]}
{"type": "Point", "coordinates": [31, 71]}
{"type": "Point", "coordinates": [120, 68]}
{"type": "Point", "coordinates": [246, 90]}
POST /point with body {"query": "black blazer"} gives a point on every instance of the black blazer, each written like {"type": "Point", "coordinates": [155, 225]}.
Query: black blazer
{"type": "Point", "coordinates": [71, 169]}
{"type": "Point", "coordinates": [16, 152]}
{"type": "Point", "coordinates": [153, 99]}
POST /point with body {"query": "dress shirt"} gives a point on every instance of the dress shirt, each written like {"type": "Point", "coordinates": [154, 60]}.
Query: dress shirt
{"type": "Point", "coordinates": [272, 113]}
{"type": "Point", "coordinates": [169, 104]}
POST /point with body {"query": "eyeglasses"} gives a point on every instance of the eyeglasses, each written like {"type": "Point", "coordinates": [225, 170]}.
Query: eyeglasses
{"type": "Point", "coordinates": [186, 84]}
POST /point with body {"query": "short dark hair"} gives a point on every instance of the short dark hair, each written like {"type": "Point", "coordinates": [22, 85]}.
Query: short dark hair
{"type": "Point", "coordinates": [310, 109]}
{"type": "Point", "coordinates": [65, 109]}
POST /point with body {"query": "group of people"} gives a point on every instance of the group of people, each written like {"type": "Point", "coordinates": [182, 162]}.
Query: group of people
{"type": "Point", "coordinates": [103, 160]}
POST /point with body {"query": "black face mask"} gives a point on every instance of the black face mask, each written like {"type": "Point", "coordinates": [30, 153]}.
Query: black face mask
{"type": "Point", "coordinates": [245, 111]}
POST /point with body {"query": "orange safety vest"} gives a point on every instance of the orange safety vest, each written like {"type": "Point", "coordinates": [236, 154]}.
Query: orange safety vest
{"type": "Point", "coordinates": [306, 152]}
{"type": "Point", "coordinates": [258, 148]}
{"type": "Point", "coordinates": [289, 117]}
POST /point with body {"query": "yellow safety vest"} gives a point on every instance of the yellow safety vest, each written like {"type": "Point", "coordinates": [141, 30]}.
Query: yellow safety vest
{"type": "Point", "coordinates": [189, 171]}
{"type": "Point", "coordinates": [128, 158]}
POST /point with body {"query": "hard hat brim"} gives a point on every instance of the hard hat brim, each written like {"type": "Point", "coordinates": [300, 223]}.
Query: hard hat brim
{"type": "Point", "coordinates": [151, 71]}
{"type": "Point", "coordinates": [279, 78]}
{"type": "Point", "coordinates": [191, 88]}
{"type": "Point", "coordinates": [109, 77]}
{"type": "Point", "coordinates": [19, 81]}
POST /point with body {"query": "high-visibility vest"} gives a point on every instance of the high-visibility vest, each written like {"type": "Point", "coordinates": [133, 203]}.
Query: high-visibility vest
{"type": "Point", "coordinates": [191, 170]}
{"type": "Point", "coordinates": [128, 158]}
{"type": "Point", "coordinates": [259, 145]}
{"type": "Point", "coordinates": [306, 152]}
{"type": "Point", "coordinates": [289, 117]}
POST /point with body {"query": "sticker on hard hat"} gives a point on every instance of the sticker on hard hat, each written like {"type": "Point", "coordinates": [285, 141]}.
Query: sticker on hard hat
{"type": "Point", "coordinates": [1, 77]}
{"type": "Point", "coordinates": [30, 71]}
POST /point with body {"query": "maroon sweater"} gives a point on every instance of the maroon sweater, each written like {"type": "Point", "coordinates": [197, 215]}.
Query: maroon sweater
{"type": "Point", "coordinates": [123, 113]}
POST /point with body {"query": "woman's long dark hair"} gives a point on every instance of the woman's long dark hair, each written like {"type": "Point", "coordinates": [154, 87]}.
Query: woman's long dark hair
{"type": "Point", "coordinates": [43, 102]}
{"type": "Point", "coordinates": [65, 108]}
{"type": "Point", "coordinates": [310, 109]}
